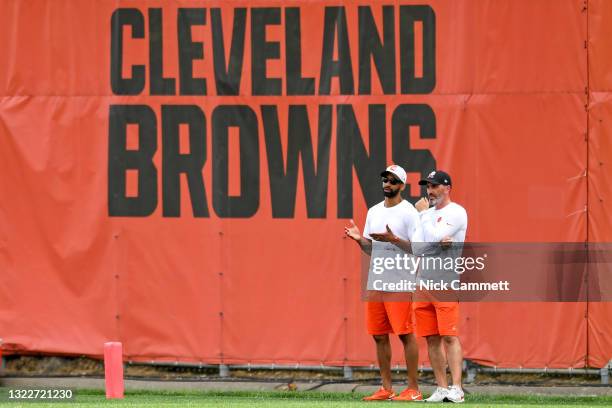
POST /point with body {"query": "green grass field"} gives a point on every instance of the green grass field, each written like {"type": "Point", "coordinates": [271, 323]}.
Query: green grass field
{"type": "Point", "coordinates": [288, 399]}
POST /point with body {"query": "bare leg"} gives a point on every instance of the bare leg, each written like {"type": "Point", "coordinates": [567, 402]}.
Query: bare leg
{"type": "Point", "coordinates": [383, 353]}
{"type": "Point", "coordinates": [454, 354]}
{"type": "Point", "coordinates": [437, 359]}
{"type": "Point", "coordinates": [411, 352]}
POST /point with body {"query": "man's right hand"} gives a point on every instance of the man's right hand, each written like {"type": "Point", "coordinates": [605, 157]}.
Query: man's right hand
{"type": "Point", "coordinates": [352, 231]}
{"type": "Point", "coordinates": [422, 204]}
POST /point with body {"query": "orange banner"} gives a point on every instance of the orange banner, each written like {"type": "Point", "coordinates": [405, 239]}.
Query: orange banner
{"type": "Point", "coordinates": [176, 175]}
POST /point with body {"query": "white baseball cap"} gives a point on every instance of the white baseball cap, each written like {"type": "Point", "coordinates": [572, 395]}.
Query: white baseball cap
{"type": "Point", "coordinates": [397, 171]}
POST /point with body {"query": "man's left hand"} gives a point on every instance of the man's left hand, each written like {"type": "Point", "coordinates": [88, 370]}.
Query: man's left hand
{"type": "Point", "coordinates": [446, 242]}
{"type": "Point", "coordinates": [387, 236]}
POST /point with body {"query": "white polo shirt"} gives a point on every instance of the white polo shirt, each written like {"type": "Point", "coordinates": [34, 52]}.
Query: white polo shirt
{"type": "Point", "coordinates": [449, 221]}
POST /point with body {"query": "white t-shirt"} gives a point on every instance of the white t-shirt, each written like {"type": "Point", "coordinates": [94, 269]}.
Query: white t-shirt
{"type": "Point", "coordinates": [402, 218]}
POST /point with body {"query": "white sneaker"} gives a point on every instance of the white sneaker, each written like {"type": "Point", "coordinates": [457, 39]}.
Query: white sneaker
{"type": "Point", "coordinates": [455, 394]}
{"type": "Point", "coordinates": [439, 395]}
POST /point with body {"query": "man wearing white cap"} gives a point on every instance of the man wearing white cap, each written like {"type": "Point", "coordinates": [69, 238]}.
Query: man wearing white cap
{"type": "Point", "coordinates": [394, 221]}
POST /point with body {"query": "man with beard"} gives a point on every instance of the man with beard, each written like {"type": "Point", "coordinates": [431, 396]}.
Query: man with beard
{"type": "Point", "coordinates": [393, 221]}
{"type": "Point", "coordinates": [444, 223]}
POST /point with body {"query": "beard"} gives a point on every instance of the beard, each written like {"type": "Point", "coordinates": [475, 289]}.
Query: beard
{"type": "Point", "coordinates": [391, 193]}
{"type": "Point", "coordinates": [433, 201]}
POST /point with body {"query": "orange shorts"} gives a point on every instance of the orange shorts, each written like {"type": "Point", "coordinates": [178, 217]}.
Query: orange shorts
{"type": "Point", "coordinates": [433, 318]}
{"type": "Point", "coordinates": [389, 317]}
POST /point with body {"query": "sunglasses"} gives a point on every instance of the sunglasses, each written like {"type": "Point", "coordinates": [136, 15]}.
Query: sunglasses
{"type": "Point", "coordinates": [391, 181]}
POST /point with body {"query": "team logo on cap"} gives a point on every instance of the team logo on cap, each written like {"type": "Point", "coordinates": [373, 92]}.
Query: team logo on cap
{"type": "Point", "coordinates": [433, 173]}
